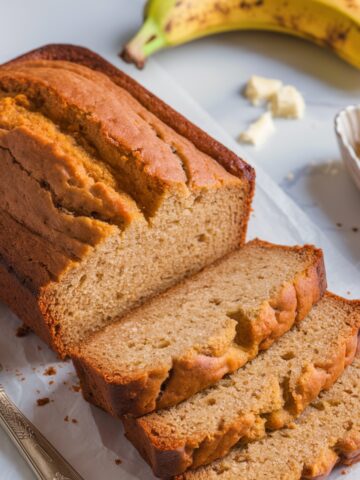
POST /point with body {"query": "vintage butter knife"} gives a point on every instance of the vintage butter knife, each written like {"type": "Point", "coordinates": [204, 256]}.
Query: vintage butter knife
{"type": "Point", "coordinates": [45, 461]}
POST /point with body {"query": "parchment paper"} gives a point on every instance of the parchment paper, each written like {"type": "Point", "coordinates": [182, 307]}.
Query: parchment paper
{"type": "Point", "coordinates": [90, 439]}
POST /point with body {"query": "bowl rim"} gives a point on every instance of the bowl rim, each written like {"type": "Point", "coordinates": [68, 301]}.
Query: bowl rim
{"type": "Point", "coordinates": [342, 136]}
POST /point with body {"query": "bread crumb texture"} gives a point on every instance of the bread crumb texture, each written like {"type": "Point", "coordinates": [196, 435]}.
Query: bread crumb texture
{"type": "Point", "coordinates": [191, 336]}
{"type": "Point", "coordinates": [268, 393]}
{"type": "Point", "coordinates": [326, 434]}
{"type": "Point", "coordinates": [107, 204]}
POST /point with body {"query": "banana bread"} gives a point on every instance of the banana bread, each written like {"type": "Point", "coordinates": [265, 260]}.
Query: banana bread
{"type": "Point", "coordinates": [327, 434]}
{"type": "Point", "coordinates": [108, 195]}
{"type": "Point", "coordinates": [268, 393]}
{"type": "Point", "coordinates": [197, 332]}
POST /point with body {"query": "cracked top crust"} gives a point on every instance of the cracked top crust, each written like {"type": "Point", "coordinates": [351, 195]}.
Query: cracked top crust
{"type": "Point", "coordinates": [82, 108]}
{"type": "Point", "coordinates": [83, 56]}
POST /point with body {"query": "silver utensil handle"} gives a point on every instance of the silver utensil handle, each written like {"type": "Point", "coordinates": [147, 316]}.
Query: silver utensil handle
{"type": "Point", "coordinates": [45, 461]}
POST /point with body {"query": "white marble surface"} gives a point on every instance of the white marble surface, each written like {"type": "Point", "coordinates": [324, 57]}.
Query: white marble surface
{"type": "Point", "coordinates": [214, 70]}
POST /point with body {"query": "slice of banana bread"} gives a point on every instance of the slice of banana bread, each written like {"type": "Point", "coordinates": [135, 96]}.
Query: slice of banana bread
{"type": "Point", "coordinates": [326, 434]}
{"type": "Point", "coordinates": [268, 393]}
{"type": "Point", "coordinates": [108, 196]}
{"type": "Point", "coordinates": [197, 332]}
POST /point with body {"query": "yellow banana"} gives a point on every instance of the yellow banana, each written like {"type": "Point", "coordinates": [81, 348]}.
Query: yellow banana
{"type": "Point", "coordinates": [332, 23]}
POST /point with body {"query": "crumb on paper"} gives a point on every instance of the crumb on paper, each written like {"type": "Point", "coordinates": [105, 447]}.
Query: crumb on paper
{"type": "Point", "coordinates": [290, 176]}
{"type": "Point", "coordinates": [259, 89]}
{"type": "Point", "coordinates": [355, 229]}
{"type": "Point", "coordinates": [339, 224]}
{"type": "Point", "coordinates": [72, 420]}
{"type": "Point", "coordinates": [76, 388]}
{"type": "Point", "coordinates": [22, 331]}
{"type": "Point", "coordinates": [50, 371]}
{"type": "Point", "coordinates": [39, 348]}
{"type": "Point", "coordinates": [42, 401]}
{"type": "Point", "coordinates": [51, 382]}
{"type": "Point", "coordinates": [118, 461]}
{"type": "Point", "coordinates": [258, 132]}
{"type": "Point", "coordinates": [287, 102]}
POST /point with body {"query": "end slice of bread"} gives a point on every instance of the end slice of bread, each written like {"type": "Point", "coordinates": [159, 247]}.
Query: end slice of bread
{"type": "Point", "coordinates": [191, 336]}
{"type": "Point", "coordinates": [328, 433]}
{"type": "Point", "coordinates": [268, 393]}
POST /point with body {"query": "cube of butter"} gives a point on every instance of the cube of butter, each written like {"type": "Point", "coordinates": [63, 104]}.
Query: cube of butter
{"type": "Point", "coordinates": [259, 89]}
{"type": "Point", "coordinates": [287, 102]}
{"type": "Point", "coordinates": [258, 132]}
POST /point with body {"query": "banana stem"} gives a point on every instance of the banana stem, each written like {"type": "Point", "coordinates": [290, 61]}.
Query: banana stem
{"type": "Point", "coordinates": [147, 41]}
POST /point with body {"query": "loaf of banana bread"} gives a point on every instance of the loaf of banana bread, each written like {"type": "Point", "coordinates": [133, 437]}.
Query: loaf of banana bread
{"type": "Point", "coordinates": [108, 196]}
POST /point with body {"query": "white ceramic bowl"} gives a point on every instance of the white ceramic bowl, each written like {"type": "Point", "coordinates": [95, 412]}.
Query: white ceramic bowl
{"type": "Point", "coordinates": [347, 128]}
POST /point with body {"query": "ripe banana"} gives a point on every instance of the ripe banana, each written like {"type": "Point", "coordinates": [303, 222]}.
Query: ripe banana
{"type": "Point", "coordinates": [332, 23]}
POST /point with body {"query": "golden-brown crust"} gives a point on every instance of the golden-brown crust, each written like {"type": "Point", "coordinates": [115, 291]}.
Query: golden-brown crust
{"type": "Point", "coordinates": [291, 303]}
{"type": "Point", "coordinates": [16, 292]}
{"type": "Point", "coordinates": [325, 437]}
{"type": "Point", "coordinates": [348, 449]}
{"type": "Point", "coordinates": [158, 458]}
{"type": "Point", "coordinates": [204, 143]}
{"type": "Point", "coordinates": [139, 393]}
{"type": "Point", "coordinates": [174, 457]}
{"type": "Point", "coordinates": [345, 452]}
{"type": "Point", "coordinates": [31, 306]}
{"type": "Point", "coordinates": [190, 375]}
{"type": "Point", "coordinates": [226, 437]}
{"type": "Point", "coordinates": [321, 467]}
{"type": "Point", "coordinates": [136, 395]}
{"type": "Point", "coordinates": [195, 371]}
{"type": "Point", "coordinates": [26, 249]}
{"type": "Point", "coordinates": [313, 379]}
{"type": "Point", "coordinates": [80, 55]}
{"type": "Point", "coordinates": [156, 447]}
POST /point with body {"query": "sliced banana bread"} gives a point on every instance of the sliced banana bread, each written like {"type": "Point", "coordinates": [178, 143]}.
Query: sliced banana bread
{"type": "Point", "coordinates": [108, 196]}
{"type": "Point", "coordinates": [197, 332]}
{"type": "Point", "coordinates": [267, 393]}
{"type": "Point", "coordinates": [326, 434]}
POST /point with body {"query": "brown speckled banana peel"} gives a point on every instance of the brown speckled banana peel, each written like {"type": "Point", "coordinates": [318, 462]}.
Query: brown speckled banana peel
{"type": "Point", "coordinates": [331, 23]}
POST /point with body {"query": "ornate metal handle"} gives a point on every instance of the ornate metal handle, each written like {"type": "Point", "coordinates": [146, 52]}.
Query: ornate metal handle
{"type": "Point", "coordinates": [45, 461]}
